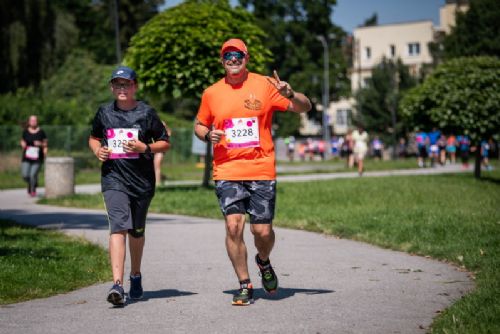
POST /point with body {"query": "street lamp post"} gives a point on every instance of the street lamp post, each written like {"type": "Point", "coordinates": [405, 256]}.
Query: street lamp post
{"type": "Point", "coordinates": [326, 89]}
{"type": "Point", "coordinates": [117, 32]}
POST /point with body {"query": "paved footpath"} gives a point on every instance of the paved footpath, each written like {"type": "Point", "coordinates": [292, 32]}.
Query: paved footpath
{"type": "Point", "coordinates": [328, 285]}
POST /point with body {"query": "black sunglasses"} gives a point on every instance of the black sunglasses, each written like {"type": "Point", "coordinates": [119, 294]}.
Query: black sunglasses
{"type": "Point", "coordinates": [236, 54]}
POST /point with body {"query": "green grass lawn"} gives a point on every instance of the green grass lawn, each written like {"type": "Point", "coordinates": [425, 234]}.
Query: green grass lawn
{"type": "Point", "coordinates": [449, 217]}
{"type": "Point", "coordinates": [38, 263]}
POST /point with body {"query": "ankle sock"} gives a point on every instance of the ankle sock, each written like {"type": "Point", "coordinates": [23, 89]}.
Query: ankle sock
{"type": "Point", "coordinates": [245, 283]}
{"type": "Point", "coordinates": [262, 263]}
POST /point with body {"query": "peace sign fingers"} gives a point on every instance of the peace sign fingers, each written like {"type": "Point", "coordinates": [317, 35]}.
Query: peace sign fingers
{"type": "Point", "coordinates": [276, 76]}
{"type": "Point", "coordinates": [282, 86]}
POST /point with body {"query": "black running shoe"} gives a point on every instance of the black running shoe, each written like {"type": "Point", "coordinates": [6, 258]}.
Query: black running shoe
{"type": "Point", "coordinates": [269, 278]}
{"type": "Point", "coordinates": [116, 295]}
{"type": "Point", "coordinates": [244, 296]}
{"type": "Point", "coordinates": [135, 287]}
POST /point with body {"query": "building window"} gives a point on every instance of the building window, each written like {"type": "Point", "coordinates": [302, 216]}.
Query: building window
{"type": "Point", "coordinates": [368, 52]}
{"type": "Point", "coordinates": [392, 50]}
{"type": "Point", "coordinates": [413, 49]}
{"type": "Point", "coordinates": [343, 116]}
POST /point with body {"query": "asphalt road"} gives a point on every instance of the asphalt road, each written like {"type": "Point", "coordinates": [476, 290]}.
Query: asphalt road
{"type": "Point", "coordinates": [327, 285]}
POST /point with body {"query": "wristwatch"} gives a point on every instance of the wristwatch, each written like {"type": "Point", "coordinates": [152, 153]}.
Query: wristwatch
{"type": "Point", "coordinates": [147, 150]}
{"type": "Point", "coordinates": [291, 96]}
{"type": "Point", "coordinates": [207, 136]}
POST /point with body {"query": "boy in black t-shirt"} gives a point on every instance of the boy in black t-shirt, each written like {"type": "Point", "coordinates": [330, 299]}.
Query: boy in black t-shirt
{"type": "Point", "coordinates": [125, 134]}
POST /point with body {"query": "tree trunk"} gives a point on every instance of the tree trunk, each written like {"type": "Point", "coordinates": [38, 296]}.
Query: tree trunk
{"type": "Point", "coordinates": [208, 166]}
{"type": "Point", "coordinates": [477, 163]}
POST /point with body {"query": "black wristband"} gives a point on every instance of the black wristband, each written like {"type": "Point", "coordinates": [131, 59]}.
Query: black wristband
{"type": "Point", "coordinates": [207, 136]}
{"type": "Point", "coordinates": [291, 96]}
{"type": "Point", "coordinates": [147, 150]}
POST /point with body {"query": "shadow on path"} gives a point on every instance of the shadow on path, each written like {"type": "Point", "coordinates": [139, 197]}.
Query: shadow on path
{"type": "Point", "coordinates": [160, 294]}
{"type": "Point", "coordinates": [66, 220]}
{"type": "Point", "coordinates": [283, 293]}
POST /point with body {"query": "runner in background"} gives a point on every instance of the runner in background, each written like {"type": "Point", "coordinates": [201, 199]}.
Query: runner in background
{"type": "Point", "coordinates": [35, 147]}
{"type": "Point", "coordinates": [158, 158]}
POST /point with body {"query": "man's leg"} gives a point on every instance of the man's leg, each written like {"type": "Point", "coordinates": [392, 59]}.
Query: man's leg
{"type": "Point", "coordinates": [261, 210]}
{"type": "Point", "coordinates": [264, 239]}
{"type": "Point", "coordinates": [235, 244]}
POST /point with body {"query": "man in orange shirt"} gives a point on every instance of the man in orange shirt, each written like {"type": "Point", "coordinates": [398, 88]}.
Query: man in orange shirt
{"type": "Point", "coordinates": [236, 116]}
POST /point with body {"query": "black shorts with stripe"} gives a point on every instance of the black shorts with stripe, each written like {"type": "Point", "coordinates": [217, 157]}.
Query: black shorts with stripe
{"type": "Point", "coordinates": [126, 213]}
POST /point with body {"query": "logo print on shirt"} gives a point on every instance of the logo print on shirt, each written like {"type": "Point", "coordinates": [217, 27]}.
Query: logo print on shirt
{"type": "Point", "coordinates": [252, 103]}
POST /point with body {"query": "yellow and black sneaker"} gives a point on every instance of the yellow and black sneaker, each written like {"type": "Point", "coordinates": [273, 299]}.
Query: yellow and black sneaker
{"type": "Point", "coordinates": [269, 278]}
{"type": "Point", "coordinates": [244, 297]}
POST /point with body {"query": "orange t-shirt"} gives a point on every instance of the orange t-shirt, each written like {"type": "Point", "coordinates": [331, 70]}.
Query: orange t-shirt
{"type": "Point", "coordinates": [245, 113]}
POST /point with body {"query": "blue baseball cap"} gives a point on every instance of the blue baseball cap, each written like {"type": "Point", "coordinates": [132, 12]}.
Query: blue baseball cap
{"type": "Point", "coordinates": [124, 72]}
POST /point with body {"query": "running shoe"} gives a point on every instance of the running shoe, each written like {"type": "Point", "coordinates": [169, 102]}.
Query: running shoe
{"type": "Point", "coordinates": [268, 276]}
{"type": "Point", "coordinates": [244, 296]}
{"type": "Point", "coordinates": [116, 295]}
{"type": "Point", "coordinates": [135, 287]}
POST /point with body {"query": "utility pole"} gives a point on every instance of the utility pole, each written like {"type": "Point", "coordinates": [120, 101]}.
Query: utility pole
{"type": "Point", "coordinates": [393, 107]}
{"type": "Point", "coordinates": [357, 57]}
{"type": "Point", "coordinates": [326, 100]}
{"type": "Point", "coordinates": [117, 31]}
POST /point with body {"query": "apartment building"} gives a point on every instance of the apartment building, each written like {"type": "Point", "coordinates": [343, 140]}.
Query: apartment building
{"type": "Point", "coordinates": [408, 41]}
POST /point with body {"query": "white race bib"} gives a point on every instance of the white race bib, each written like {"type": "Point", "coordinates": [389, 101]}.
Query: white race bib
{"type": "Point", "coordinates": [32, 152]}
{"type": "Point", "coordinates": [242, 132]}
{"type": "Point", "coordinates": [116, 139]}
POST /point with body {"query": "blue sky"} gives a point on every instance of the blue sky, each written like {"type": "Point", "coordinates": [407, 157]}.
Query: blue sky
{"type": "Point", "coordinates": [350, 13]}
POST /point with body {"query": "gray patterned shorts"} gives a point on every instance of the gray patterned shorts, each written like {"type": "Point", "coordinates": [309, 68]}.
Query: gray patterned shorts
{"type": "Point", "coordinates": [257, 198]}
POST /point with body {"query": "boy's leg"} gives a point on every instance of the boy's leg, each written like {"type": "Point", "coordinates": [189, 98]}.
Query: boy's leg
{"type": "Point", "coordinates": [139, 210]}
{"type": "Point", "coordinates": [136, 246]}
{"type": "Point", "coordinates": [117, 247]}
{"type": "Point", "coordinates": [120, 221]}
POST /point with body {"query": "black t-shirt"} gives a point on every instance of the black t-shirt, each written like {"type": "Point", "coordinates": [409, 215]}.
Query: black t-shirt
{"type": "Point", "coordinates": [135, 177]}
{"type": "Point", "coordinates": [30, 139]}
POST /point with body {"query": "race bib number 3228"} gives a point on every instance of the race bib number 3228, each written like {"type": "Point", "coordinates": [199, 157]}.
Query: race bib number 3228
{"type": "Point", "coordinates": [242, 132]}
{"type": "Point", "coordinates": [116, 139]}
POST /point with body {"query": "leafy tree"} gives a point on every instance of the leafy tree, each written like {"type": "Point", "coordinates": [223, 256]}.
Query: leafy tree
{"type": "Point", "coordinates": [34, 38]}
{"type": "Point", "coordinates": [377, 102]}
{"type": "Point", "coordinates": [371, 21]}
{"type": "Point", "coordinates": [69, 97]}
{"type": "Point", "coordinates": [177, 53]}
{"type": "Point", "coordinates": [37, 35]}
{"type": "Point", "coordinates": [297, 53]}
{"type": "Point", "coordinates": [461, 96]}
{"type": "Point", "coordinates": [477, 31]}
{"type": "Point", "coordinates": [97, 26]}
